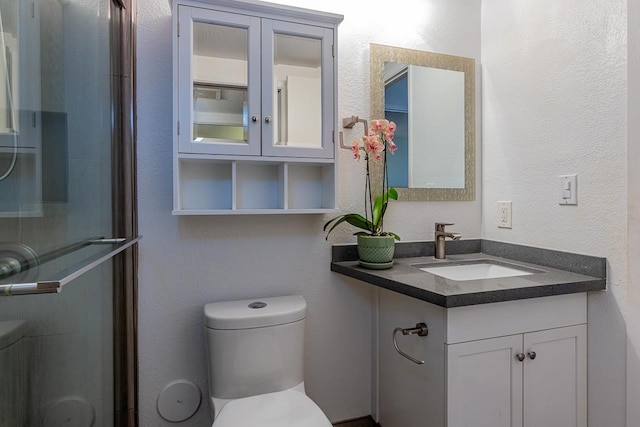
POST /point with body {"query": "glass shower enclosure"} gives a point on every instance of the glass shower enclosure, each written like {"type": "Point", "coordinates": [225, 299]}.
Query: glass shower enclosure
{"type": "Point", "coordinates": [67, 214]}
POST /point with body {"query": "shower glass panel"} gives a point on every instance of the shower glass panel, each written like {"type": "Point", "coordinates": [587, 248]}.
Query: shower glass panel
{"type": "Point", "coordinates": [58, 136]}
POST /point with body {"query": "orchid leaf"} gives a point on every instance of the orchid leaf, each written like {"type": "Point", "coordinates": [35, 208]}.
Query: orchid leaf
{"type": "Point", "coordinates": [384, 208]}
{"type": "Point", "coordinates": [359, 221]}
{"type": "Point", "coordinates": [377, 210]}
{"type": "Point", "coordinates": [393, 193]}
{"type": "Point", "coordinates": [341, 218]}
{"type": "Point", "coordinates": [356, 220]}
{"type": "Point", "coordinates": [395, 236]}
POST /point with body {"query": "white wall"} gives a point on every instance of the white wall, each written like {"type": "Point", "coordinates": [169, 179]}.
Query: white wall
{"type": "Point", "coordinates": [554, 102]}
{"type": "Point", "coordinates": [187, 262]}
{"type": "Point", "coordinates": [633, 254]}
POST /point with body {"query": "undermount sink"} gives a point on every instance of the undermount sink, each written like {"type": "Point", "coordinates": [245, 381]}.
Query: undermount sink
{"type": "Point", "coordinates": [476, 271]}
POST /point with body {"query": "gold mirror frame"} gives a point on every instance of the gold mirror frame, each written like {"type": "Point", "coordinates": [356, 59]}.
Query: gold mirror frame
{"type": "Point", "coordinates": [381, 54]}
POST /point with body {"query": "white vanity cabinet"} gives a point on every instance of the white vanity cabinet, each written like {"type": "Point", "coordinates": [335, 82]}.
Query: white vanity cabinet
{"type": "Point", "coordinates": [508, 364]}
{"type": "Point", "coordinates": [255, 108]}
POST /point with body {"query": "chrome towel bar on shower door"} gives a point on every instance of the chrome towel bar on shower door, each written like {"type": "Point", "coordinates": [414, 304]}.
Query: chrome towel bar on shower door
{"type": "Point", "coordinates": [55, 285]}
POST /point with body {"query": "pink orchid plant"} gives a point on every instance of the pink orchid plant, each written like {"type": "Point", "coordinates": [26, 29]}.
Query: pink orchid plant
{"type": "Point", "coordinates": [373, 147]}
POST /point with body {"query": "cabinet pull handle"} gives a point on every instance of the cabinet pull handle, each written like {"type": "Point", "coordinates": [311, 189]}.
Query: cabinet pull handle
{"type": "Point", "coordinates": [532, 355]}
{"type": "Point", "coordinates": [254, 119]}
{"type": "Point", "coordinates": [421, 330]}
{"type": "Point", "coordinates": [520, 357]}
{"type": "Point", "coordinates": [267, 119]}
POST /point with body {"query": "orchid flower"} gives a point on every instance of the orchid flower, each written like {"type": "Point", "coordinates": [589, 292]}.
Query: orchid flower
{"type": "Point", "coordinates": [379, 125]}
{"type": "Point", "coordinates": [355, 149]}
{"type": "Point", "coordinates": [392, 146]}
{"type": "Point", "coordinates": [373, 145]}
{"type": "Point", "coordinates": [391, 128]}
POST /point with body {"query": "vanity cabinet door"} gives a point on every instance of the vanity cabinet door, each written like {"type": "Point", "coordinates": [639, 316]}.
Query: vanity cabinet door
{"type": "Point", "coordinates": [536, 379]}
{"type": "Point", "coordinates": [218, 82]}
{"type": "Point", "coordinates": [555, 377]}
{"type": "Point", "coordinates": [484, 383]}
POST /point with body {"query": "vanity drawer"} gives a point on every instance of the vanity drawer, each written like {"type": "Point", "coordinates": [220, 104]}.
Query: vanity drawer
{"type": "Point", "coordinates": [482, 321]}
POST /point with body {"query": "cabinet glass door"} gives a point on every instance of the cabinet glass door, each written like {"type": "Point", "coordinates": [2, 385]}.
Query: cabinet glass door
{"type": "Point", "coordinates": [219, 99]}
{"type": "Point", "coordinates": [297, 97]}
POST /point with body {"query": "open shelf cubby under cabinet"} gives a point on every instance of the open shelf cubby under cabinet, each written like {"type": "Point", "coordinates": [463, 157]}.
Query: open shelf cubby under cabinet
{"type": "Point", "coordinates": [231, 186]}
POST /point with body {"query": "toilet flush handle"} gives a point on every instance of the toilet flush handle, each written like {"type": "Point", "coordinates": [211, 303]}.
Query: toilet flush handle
{"type": "Point", "coordinates": [421, 330]}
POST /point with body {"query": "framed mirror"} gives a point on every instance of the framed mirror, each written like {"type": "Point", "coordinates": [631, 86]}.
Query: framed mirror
{"type": "Point", "coordinates": [431, 97]}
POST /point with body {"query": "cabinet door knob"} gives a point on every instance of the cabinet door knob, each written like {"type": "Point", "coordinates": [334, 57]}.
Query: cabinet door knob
{"type": "Point", "coordinates": [254, 118]}
{"type": "Point", "coordinates": [267, 119]}
{"type": "Point", "coordinates": [532, 355]}
{"type": "Point", "coordinates": [520, 357]}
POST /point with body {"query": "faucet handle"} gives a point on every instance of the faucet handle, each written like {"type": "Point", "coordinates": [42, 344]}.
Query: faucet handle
{"type": "Point", "coordinates": [441, 225]}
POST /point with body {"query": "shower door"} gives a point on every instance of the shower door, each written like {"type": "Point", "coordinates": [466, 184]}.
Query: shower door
{"type": "Point", "coordinates": [67, 214]}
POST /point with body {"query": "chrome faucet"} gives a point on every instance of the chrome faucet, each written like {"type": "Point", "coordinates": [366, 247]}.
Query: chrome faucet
{"type": "Point", "coordinates": [439, 239]}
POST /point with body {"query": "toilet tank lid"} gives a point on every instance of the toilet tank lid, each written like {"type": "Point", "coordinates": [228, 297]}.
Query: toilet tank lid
{"type": "Point", "coordinates": [255, 313]}
{"type": "Point", "coordinates": [10, 332]}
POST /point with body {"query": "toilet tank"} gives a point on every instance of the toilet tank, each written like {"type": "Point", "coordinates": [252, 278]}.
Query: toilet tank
{"type": "Point", "coordinates": [255, 346]}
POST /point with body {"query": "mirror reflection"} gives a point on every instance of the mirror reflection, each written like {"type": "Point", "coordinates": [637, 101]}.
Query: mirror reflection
{"type": "Point", "coordinates": [219, 84]}
{"type": "Point", "coordinates": [297, 73]}
{"type": "Point", "coordinates": [427, 104]}
{"type": "Point", "coordinates": [431, 98]}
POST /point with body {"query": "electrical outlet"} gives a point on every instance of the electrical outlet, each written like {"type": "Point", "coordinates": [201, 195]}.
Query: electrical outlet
{"type": "Point", "coordinates": [504, 214]}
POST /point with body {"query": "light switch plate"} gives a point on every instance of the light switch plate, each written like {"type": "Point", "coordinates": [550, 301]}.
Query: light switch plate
{"type": "Point", "coordinates": [504, 215]}
{"type": "Point", "coordinates": [568, 189]}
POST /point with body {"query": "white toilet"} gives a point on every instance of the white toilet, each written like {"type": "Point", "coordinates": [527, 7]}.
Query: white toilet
{"type": "Point", "coordinates": [255, 356]}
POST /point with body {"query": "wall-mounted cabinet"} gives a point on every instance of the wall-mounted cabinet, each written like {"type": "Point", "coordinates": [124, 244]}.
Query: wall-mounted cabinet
{"type": "Point", "coordinates": [255, 108]}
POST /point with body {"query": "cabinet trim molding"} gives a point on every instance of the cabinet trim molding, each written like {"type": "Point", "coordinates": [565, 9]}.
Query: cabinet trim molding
{"type": "Point", "coordinates": [270, 10]}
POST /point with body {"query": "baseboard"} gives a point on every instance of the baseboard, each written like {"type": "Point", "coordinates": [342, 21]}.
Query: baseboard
{"type": "Point", "coordinates": [358, 422]}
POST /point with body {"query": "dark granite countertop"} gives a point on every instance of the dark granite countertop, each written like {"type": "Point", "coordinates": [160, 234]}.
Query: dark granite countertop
{"type": "Point", "coordinates": [554, 273]}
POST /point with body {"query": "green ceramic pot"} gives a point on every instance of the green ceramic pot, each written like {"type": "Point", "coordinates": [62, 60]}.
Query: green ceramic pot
{"type": "Point", "coordinates": [376, 249]}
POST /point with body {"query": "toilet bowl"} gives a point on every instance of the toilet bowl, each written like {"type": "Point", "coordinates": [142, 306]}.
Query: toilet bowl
{"type": "Point", "coordinates": [279, 409]}
{"type": "Point", "coordinates": [255, 351]}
